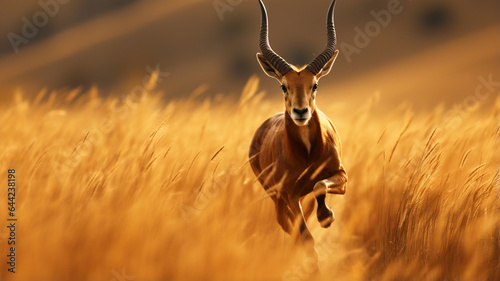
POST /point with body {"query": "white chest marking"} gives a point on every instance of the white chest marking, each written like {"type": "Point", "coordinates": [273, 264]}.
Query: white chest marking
{"type": "Point", "coordinates": [304, 135]}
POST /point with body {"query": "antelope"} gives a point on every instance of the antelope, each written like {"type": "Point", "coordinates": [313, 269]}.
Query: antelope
{"type": "Point", "coordinates": [297, 152]}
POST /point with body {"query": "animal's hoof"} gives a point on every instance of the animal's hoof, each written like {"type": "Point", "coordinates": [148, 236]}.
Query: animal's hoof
{"type": "Point", "coordinates": [326, 217]}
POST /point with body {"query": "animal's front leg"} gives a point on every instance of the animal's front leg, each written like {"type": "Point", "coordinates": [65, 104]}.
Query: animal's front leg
{"type": "Point", "coordinates": [284, 215]}
{"type": "Point", "coordinates": [300, 225]}
{"type": "Point", "coordinates": [336, 185]}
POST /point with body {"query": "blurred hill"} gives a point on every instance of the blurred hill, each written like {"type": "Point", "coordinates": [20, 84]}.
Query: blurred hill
{"type": "Point", "coordinates": [430, 51]}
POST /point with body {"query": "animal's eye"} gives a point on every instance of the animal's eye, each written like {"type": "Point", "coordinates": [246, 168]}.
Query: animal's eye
{"type": "Point", "coordinates": [283, 88]}
{"type": "Point", "coordinates": [315, 87]}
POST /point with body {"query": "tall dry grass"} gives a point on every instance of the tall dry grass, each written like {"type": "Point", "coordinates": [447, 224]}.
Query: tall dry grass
{"type": "Point", "coordinates": [143, 189]}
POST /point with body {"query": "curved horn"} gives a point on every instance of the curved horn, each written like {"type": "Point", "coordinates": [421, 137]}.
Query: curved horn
{"type": "Point", "coordinates": [278, 62]}
{"type": "Point", "coordinates": [319, 62]}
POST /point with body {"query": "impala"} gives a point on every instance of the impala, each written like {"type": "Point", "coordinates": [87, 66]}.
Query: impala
{"type": "Point", "coordinates": [297, 152]}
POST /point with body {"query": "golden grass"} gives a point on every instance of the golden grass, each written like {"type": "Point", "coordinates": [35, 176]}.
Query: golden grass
{"type": "Point", "coordinates": [163, 191]}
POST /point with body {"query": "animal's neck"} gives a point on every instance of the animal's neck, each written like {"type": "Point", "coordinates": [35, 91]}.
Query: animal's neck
{"type": "Point", "coordinates": [304, 141]}
{"type": "Point", "coordinates": [305, 136]}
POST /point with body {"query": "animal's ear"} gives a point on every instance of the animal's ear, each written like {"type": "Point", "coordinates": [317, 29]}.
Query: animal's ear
{"type": "Point", "coordinates": [268, 68]}
{"type": "Point", "coordinates": [328, 66]}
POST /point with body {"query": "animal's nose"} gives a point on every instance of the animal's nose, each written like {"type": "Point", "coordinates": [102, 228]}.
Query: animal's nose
{"type": "Point", "coordinates": [300, 111]}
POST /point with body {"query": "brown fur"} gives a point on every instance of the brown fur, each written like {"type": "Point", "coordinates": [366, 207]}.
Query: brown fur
{"type": "Point", "coordinates": [297, 152]}
{"type": "Point", "coordinates": [277, 143]}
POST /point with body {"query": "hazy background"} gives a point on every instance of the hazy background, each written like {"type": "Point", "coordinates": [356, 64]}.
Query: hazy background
{"type": "Point", "coordinates": [430, 52]}
{"type": "Point", "coordinates": [127, 185]}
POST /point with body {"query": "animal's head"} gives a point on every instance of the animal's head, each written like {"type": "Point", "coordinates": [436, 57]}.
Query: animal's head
{"type": "Point", "coordinates": [299, 85]}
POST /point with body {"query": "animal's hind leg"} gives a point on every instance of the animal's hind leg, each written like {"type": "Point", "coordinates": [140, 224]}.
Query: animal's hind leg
{"type": "Point", "coordinates": [284, 215]}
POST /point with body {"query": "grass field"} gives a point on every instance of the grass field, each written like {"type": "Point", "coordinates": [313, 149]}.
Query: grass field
{"type": "Point", "coordinates": [137, 188]}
